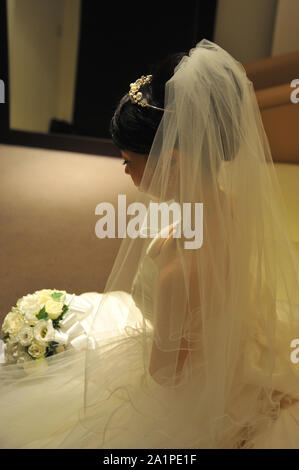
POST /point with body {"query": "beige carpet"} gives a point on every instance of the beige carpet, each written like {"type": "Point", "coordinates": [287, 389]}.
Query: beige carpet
{"type": "Point", "coordinates": [47, 213]}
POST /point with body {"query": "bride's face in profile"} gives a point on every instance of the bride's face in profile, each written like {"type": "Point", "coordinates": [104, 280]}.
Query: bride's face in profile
{"type": "Point", "coordinates": [135, 164]}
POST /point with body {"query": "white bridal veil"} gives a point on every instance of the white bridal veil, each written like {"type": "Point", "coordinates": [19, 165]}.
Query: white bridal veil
{"type": "Point", "coordinates": [214, 359]}
{"type": "Point", "coordinates": [207, 364]}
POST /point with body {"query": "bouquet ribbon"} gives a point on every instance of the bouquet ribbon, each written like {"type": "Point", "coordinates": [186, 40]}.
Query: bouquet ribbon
{"type": "Point", "coordinates": [74, 327]}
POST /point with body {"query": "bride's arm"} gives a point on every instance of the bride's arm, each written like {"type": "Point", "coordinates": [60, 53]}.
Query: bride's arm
{"type": "Point", "coordinates": [166, 364]}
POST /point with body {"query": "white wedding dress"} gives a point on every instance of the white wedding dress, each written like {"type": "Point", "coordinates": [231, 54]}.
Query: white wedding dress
{"type": "Point", "coordinates": [43, 413]}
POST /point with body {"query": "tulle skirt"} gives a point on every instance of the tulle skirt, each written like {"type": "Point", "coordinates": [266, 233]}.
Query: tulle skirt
{"type": "Point", "coordinates": [284, 432]}
{"type": "Point", "coordinates": [43, 407]}
{"type": "Point", "coordinates": [108, 401]}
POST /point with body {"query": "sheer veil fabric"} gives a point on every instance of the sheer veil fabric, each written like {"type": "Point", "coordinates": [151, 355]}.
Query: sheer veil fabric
{"type": "Point", "coordinates": [206, 363]}
{"type": "Point", "coordinates": [215, 363]}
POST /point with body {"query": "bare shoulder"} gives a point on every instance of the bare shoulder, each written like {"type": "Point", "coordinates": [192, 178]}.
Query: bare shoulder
{"type": "Point", "coordinates": [165, 252]}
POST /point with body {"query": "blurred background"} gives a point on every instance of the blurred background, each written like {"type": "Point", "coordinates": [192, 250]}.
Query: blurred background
{"type": "Point", "coordinates": [70, 60]}
{"type": "Point", "coordinates": [64, 65]}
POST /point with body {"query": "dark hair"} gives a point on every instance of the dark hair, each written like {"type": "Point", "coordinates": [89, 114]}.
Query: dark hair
{"type": "Point", "coordinates": [133, 127]}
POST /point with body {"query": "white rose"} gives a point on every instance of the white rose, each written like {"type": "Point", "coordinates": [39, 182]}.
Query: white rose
{"type": "Point", "coordinates": [36, 350]}
{"type": "Point", "coordinates": [44, 295]}
{"type": "Point", "coordinates": [31, 320]}
{"type": "Point", "coordinates": [44, 331]}
{"type": "Point", "coordinates": [13, 339]}
{"type": "Point", "coordinates": [29, 305]}
{"type": "Point", "coordinates": [25, 335]}
{"type": "Point", "coordinates": [54, 309]}
{"type": "Point", "coordinates": [16, 310]}
{"type": "Point", "coordinates": [12, 352]}
{"type": "Point", "coordinates": [13, 322]}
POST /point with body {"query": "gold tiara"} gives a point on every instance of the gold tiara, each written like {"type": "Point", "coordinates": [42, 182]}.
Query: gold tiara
{"type": "Point", "coordinates": [136, 95]}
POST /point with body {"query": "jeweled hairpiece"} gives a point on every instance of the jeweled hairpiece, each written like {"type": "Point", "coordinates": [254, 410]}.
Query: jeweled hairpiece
{"type": "Point", "coordinates": [136, 95]}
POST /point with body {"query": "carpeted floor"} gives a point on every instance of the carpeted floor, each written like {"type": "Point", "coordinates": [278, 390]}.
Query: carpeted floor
{"type": "Point", "coordinates": [47, 214]}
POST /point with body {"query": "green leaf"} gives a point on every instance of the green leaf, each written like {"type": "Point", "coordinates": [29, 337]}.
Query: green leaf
{"type": "Point", "coordinates": [64, 309]}
{"type": "Point", "coordinates": [56, 295]}
{"type": "Point", "coordinates": [57, 320]}
{"type": "Point", "coordinates": [42, 315]}
{"type": "Point", "coordinates": [51, 348]}
{"type": "Point", "coordinates": [55, 324]}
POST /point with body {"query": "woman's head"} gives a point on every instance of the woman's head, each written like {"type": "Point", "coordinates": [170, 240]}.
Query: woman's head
{"type": "Point", "coordinates": [133, 127]}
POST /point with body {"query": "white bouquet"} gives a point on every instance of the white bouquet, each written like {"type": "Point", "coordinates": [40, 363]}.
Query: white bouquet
{"type": "Point", "coordinates": [42, 324]}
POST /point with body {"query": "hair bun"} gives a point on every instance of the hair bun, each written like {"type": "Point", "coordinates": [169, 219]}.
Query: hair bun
{"type": "Point", "coordinates": [162, 71]}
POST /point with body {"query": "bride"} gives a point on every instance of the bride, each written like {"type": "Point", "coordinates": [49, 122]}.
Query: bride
{"type": "Point", "coordinates": [188, 347]}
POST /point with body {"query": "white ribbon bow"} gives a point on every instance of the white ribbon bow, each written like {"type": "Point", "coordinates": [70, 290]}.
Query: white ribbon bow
{"type": "Point", "coordinates": [73, 329]}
